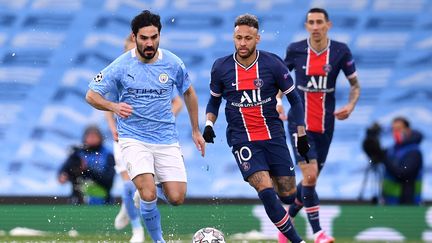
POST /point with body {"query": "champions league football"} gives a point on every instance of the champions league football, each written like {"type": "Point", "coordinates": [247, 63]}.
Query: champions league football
{"type": "Point", "coordinates": [208, 235]}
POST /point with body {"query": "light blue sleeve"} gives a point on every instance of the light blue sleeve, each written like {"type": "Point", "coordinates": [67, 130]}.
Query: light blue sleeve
{"type": "Point", "coordinates": [105, 82]}
{"type": "Point", "coordinates": [182, 81]}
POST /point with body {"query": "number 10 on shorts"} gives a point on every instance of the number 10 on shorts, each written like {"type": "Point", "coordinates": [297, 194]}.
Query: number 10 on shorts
{"type": "Point", "coordinates": [243, 154]}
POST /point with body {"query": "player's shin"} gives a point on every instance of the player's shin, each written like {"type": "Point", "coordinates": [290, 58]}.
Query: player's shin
{"type": "Point", "coordinates": [311, 203]}
{"type": "Point", "coordinates": [297, 205]}
{"type": "Point", "coordinates": [278, 215]}
{"type": "Point", "coordinates": [152, 220]}
{"type": "Point", "coordinates": [127, 197]}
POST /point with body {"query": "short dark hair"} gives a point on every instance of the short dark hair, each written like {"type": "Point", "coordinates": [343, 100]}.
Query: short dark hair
{"type": "Point", "coordinates": [247, 19]}
{"type": "Point", "coordinates": [403, 120]}
{"type": "Point", "coordinates": [318, 10]}
{"type": "Point", "coordinates": [93, 129]}
{"type": "Point", "coordinates": [144, 19]}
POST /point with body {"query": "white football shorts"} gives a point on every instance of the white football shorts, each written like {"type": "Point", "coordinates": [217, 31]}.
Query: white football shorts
{"type": "Point", "coordinates": [164, 161]}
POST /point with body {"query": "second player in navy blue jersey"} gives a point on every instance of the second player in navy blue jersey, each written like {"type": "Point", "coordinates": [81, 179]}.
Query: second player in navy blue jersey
{"type": "Point", "coordinates": [317, 62]}
{"type": "Point", "coordinates": [249, 81]}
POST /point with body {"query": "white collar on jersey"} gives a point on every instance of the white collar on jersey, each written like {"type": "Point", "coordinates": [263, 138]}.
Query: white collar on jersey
{"type": "Point", "coordinates": [133, 54]}
{"type": "Point", "coordinates": [241, 65]}
{"type": "Point", "coordinates": [318, 52]}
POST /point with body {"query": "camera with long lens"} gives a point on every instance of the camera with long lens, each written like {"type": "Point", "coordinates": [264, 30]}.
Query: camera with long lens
{"type": "Point", "coordinates": [371, 143]}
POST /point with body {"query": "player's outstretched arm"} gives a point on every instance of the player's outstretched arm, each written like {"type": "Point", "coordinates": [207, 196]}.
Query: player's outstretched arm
{"type": "Point", "coordinates": [191, 102]}
{"type": "Point", "coordinates": [344, 112]}
{"type": "Point", "coordinates": [97, 101]}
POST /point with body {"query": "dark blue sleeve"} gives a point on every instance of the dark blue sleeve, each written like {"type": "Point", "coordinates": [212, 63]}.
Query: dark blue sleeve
{"type": "Point", "coordinates": [348, 65]}
{"type": "Point", "coordinates": [213, 105]}
{"type": "Point", "coordinates": [215, 92]}
{"type": "Point", "coordinates": [297, 111]}
{"type": "Point", "coordinates": [215, 82]}
{"type": "Point", "coordinates": [281, 74]}
{"type": "Point", "coordinates": [289, 58]}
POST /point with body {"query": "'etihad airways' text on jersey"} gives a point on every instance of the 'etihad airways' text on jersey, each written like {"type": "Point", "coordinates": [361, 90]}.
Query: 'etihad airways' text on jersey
{"type": "Point", "coordinates": [148, 88]}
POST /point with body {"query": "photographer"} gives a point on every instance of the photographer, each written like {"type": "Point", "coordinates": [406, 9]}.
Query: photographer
{"type": "Point", "coordinates": [90, 169]}
{"type": "Point", "coordinates": [403, 162]}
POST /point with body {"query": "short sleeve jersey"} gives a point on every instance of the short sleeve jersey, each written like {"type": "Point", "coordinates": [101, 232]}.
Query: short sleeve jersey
{"type": "Point", "coordinates": [250, 94]}
{"type": "Point", "coordinates": [149, 89]}
{"type": "Point", "coordinates": [315, 77]}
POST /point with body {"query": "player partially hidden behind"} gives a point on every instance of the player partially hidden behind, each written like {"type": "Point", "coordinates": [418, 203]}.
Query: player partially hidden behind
{"type": "Point", "coordinates": [317, 62]}
{"type": "Point", "coordinates": [144, 79]}
{"type": "Point", "coordinates": [249, 80]}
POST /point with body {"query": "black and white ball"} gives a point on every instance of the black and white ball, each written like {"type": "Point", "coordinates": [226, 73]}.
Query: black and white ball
{"type": "Point", "coordinates": [208, 235]}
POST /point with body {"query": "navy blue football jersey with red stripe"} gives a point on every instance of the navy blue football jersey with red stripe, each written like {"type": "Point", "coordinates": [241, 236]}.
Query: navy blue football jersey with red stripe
{"type": "Point", "coordinates": [250, 94]}
{"type": "Point", "coordinates": [315, 78]}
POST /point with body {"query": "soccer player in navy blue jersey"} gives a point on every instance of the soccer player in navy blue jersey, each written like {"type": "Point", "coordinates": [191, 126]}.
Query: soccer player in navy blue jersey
{"type": "Point", "coordinates": [249, 81]}
{"type": "Point", "coordinates": [317, 62]}
{"type": "Point", "coordinates": [143, 79]}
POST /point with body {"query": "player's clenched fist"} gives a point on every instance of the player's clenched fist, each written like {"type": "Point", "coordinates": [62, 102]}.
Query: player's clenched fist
{"type": "Point", "coordinates": [123, 110]}
{"type": "Point", "coordinates": [209, 134]}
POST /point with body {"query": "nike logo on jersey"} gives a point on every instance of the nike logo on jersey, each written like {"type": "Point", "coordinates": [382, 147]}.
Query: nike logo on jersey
{"type": "Point", "coordinates": [291, 168]}
{"type": "Point", "coordinates": [233, 84]}
{"type": "Point", "coordinates": [304, 67]}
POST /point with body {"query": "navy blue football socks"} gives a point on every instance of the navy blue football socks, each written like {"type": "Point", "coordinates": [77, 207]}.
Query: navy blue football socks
{"type": "Point", "coordinates": [311, 203]}
{"type": "Point", "coordinates": [277, 214]}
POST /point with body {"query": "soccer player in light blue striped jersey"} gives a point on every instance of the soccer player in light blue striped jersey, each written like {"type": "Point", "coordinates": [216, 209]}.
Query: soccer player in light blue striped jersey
{"type": "Point", "coordinates": [144, 79]}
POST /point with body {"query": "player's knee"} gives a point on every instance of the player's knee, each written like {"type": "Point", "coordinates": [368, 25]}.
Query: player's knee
{"type": "Point", "coordinates": [147, 195]}
{"type": "Point", "coordinates": [310, 179]}
{"type": "Point", "coordinates": [176, 199]}
{"type": "Point", "coordinates": [288, 199]}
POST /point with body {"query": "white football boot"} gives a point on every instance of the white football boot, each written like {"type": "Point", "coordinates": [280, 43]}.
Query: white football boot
{"type": "Point", "coordinates": [122, 218]}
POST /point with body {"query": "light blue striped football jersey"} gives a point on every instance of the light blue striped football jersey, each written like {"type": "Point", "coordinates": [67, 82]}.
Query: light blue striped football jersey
{"type": "Point", "coordinates": [149, 89]}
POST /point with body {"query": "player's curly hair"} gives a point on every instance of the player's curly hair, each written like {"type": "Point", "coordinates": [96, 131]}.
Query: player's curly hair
{"type": "Point", "coordinates": [247, 19]}
{"type": "Point", "coordinates": [145, 18]}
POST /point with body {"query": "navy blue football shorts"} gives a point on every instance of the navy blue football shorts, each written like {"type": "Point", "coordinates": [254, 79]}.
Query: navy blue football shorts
{"type": "Point", "coordinates": [266, 155]}
{"type": "Point", "coordinates": [319, 145]}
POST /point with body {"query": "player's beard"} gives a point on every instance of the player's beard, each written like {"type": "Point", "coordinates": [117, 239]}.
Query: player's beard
{"type": "Point", "coordinates": [248, 54]}
{"type": "Point", "coordinates": [147, 56]}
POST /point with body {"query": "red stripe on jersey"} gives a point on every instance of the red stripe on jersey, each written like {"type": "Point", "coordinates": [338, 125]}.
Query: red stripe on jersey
{"type": "Point", "coordinates": [316, 63]}
{"type": "Point", "coordinates": [314, 106]}
{"type": "Point", "coordinates": [246, 77]}
{"type": "Point", "coordinates": [255, 123]}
